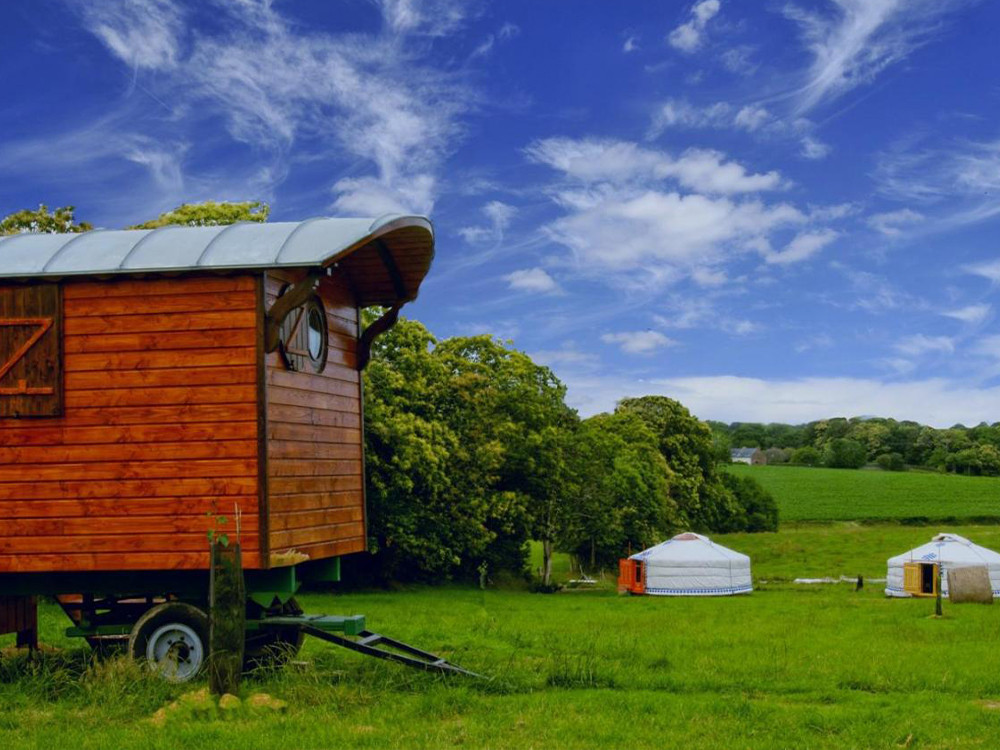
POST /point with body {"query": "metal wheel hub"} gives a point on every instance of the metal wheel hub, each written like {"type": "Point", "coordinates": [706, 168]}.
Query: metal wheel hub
{"type": "Point", "coordinates": [176, 652]}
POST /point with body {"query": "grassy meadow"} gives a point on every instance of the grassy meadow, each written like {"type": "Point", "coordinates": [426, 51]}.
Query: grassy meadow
{"type": "Point", "coordinates": [790, 666]}
{"type": "Point", "coordinates": [806, 493]}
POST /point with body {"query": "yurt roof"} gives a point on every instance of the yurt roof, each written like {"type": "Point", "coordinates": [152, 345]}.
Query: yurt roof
{"type": "Point", "coordinates": [385, 259]}
{"type": "Point", "coordinates": [689, 547]}
{"type": "Point", "coordinates": [948, 548]}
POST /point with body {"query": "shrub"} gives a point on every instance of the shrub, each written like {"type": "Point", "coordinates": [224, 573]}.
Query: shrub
{"type": "Point", "coordinates": [807, 456]}
{"type": "Point", "coordinates": [760, 511]}
{"type": "Point", "coordinates": [844, 453]}
{"type": "Point", "coordinates": [891, 462]}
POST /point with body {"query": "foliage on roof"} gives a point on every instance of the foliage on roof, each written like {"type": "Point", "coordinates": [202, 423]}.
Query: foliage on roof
{"type": "Point", "coordinates": [40, 221]}
{"type": "Point", "coordinates": [209, 214]}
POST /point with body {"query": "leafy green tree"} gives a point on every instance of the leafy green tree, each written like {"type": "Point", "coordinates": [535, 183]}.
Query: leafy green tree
{"type": "Point", "coordinates": [891, 462]}
{"type": "Point", "coordinates": [40, 221]}
{"type": "Point", "coordinates": [621, 491]}
{"type": "Point", "coordinates": [842, 453]}
{"type": "Point", "coordinates": [501, 398]}
{"type": "Point", "coordinates": [759, 506]}
{"type": "Point", "coordinates": [686, 444]}
{"type": "Point", "coordinates": [807, 456]}
{"type": "Point", "coordinates": [209, 214]}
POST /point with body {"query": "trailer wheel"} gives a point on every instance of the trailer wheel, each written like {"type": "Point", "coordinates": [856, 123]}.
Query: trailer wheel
{"type": "Point", "coordinates": [173, 639]}
{"type": "Point", "coordinates": [272, 648]}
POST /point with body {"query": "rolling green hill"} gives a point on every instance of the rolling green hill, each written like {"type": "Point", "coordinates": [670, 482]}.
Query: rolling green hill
{"type": "Point", "coordinates": [807, 494]}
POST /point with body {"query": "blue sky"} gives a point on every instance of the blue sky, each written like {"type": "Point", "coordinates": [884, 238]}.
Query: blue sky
{"type": "Point", "coordinates": [774, 211]}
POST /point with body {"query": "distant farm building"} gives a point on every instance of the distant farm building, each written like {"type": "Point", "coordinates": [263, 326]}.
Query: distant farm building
{"type": "Point", "coordinates": [916, 573]}
{"type": "Point", "coordinates": [748, 456]}
{"type": "Point", "coordinates": [687, 565]}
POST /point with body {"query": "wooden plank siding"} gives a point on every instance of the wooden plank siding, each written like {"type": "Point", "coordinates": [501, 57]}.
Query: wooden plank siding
{"type": "Point", "coordinates": [159, 429]}
{"type": "Point", "coordinates": [314, 440]}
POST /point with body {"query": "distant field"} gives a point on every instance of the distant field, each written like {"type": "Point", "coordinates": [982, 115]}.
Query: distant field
{"type": "Point", "coordinates": [806, 494]}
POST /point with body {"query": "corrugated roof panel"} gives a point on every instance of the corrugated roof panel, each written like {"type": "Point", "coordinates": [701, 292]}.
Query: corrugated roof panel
{"type": "Point", "coordinates": [27, 254]}
{"type": "Point", "coordinates": [248, 244]}
{"type": "Point", "coordinates": [100, 249]}
{"type": "Point", "coordinates": [331, 234]}
{"type": "Point", "coordinates": [169, 247]}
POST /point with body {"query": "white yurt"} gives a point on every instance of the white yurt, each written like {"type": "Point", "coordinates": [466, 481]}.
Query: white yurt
{"type": "Point", "coordinates": [914, 573]}
{"type": "Point", "coordinates": [687, 565]}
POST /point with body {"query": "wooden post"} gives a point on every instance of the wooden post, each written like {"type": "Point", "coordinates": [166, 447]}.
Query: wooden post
{"type": "Point", "coordinates": [227, 618]}
{"type": "Point", "coordinates": [937, 600]}
{"type": "Point", "coordinates": [860, 584]}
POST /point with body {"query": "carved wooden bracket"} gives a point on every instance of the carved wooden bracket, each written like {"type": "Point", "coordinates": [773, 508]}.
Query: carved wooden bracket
{"type": "Point", "coordinates": [295, 296]}
{"type": "Point", "coordinates": [376, 329]}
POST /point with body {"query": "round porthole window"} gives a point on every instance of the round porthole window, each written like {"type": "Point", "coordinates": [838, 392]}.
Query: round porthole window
{"type": "Point", "coordinates": [304, 337]}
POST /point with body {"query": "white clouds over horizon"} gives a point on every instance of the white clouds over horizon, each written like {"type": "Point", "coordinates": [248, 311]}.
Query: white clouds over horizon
{"type": "Point", "coordinates": [731, 398]}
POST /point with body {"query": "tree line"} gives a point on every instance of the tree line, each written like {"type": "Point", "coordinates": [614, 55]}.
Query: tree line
{"type": "Point", "coordinates": [471, 451]}
{"type": "Point", "coordinates": [852, 443]}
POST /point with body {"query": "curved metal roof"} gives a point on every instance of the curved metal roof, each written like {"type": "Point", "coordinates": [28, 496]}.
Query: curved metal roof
{"type": "Point", "coordinates": [243, 246]}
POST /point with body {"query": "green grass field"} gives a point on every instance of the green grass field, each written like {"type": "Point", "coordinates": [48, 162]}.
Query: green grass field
{"type": "Point", "coordinates": [842, 494]}
{"type": "Point", "coordinates": [790, 666]}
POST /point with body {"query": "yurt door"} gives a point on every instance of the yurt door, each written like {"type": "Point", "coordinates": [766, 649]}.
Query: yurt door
{"type": "Point", "coordinates": [920, 579]}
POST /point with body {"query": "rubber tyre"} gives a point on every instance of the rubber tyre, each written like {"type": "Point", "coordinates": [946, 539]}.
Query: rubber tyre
{"type": "Point", "coordinates": [272, 649]}
{"type": "Point", "coordinates": [177, 631]}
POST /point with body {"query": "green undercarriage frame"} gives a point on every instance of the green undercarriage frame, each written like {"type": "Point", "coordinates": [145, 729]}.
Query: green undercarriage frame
{"type": "Point", "coordinates": [268, 589]}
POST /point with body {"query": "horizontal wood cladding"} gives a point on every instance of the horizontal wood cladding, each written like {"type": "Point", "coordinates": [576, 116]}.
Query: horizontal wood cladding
{"type": "Point", "coordinates": [159, 429]}
{"type": "Point", "coordinates": [314, 439]}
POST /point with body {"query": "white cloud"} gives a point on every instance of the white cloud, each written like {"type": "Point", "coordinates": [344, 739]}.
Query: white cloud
{"type": "Point", "coordinates": [814, 149]}
{"type": "Point", "coordinates": [499, 215]}
{"type": "Point", "coordinates": [638, 342]}
{"type": "Point", "coordinates": [892, 223]}
{"type": "Point", "coordinates": [592, 160]}
{"type": "Point", "coordinates": [689, 36]}
{"type": "Point", "coordinates": [861, 39]}
{"type": "Point", "coordinates": [988, 270]}
{"type": "Point", "coordinates": [631, 44]}
{"type": "Point", "coordinates": [918, 344]}
{"type": "Point", "coordinates": [751, 117]}
{"type": "Point", "coordinates": [532, 280]}
{"type": "Point", "coordinates": [802, 247]}
{"type": "Point", "coordinates": [970, 313]}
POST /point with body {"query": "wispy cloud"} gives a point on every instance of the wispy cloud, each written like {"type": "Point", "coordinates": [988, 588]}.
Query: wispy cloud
{"type": "Point", "coordinates": [920, 344]}
{"type": "Point", "coordinates": [970, 313]}
{"type": "Point", "coordinates": [638, 342]}
{"type": "Point", "coordinates": [499, 215]}
{"type": "Point", "coordinates": [689, 36]}
{"type": "Point", "coordinates": [892, 223]}
{"type": "Point", "coordinates": [372, 101]}
{"type": "Point", "coordinates": [988, 270]}
{"type": "Point", "coordinates": [859, 39]}
{"type": "Point", "coordinates": [802, 247]}
{"type": "Point", "coordinates": [958, 183]}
